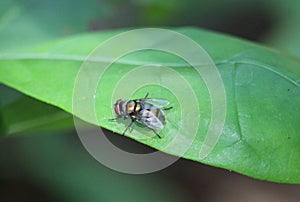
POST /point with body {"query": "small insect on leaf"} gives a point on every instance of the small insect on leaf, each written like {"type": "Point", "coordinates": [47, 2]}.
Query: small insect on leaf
{"type": "Point", "coordinates": [146, 111]}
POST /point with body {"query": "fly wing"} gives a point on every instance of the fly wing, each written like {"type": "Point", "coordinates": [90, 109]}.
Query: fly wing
{"type": "Point", "coordinates": [157, 102]}
{"type": "Point", "coordinates": [147, 118]}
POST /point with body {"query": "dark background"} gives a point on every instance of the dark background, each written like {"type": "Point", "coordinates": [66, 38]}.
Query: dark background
{"type": "Point", "coordinates": [54, 166]}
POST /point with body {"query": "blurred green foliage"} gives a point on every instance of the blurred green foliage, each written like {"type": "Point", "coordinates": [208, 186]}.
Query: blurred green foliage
{"type": "Point", "coordinates": [55, 167]}
{"type": "Point", "coordinates": [28, 22]}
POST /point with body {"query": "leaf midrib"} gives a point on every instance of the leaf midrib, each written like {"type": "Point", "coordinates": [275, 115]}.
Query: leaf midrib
{"type": "Point", "coordinates": [233, 60]}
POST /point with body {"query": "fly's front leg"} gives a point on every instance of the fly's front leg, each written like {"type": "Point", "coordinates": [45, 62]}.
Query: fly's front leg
{"type": "Point", "coordinates": [114, 119]}
{"type": "Point", "coordinates": [129, 126]}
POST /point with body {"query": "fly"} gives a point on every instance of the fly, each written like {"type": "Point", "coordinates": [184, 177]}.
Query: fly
{"type": "Point", "coordinates": [147, 111]}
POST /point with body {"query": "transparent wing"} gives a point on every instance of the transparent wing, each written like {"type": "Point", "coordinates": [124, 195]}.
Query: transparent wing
{"type": "Point", "coordinates": [157, 102]}
{"type": "Point", "coordinates": [148, 119]}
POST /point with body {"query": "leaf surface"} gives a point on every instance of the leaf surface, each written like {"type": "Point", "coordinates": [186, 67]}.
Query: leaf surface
{"type": "Point", "coordinates": [261, 133]}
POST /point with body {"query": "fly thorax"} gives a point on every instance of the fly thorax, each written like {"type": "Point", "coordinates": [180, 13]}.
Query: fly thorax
{"type": "Point", "coordinates": [130, 106]}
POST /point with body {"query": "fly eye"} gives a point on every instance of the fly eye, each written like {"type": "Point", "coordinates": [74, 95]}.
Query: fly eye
{"type": "Point", "coordinates": [116, 109]}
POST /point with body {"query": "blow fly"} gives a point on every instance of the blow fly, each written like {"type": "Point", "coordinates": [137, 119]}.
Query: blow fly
{"type": "Point", "coordinates": [147, 111]}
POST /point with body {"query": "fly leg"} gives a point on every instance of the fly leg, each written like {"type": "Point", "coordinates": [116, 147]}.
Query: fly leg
{"type": "Point", "coordinates": [156, 133]}
{"type": "Point", "coordinates": [114, 119]}
{"type": "Point", "coordinates": [129, 126]}
{"type": "Point", "coordinates": [167, 108]}
{"type": "Point", "coordinates": [146, 95]}
{"type": "Point", "coordinates": [143, 100]}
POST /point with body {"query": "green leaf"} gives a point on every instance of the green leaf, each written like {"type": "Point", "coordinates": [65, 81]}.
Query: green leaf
{"type": "Point", "coordinates": [261, 133]}
{"type": "Point", "coordinates": [23, 114]}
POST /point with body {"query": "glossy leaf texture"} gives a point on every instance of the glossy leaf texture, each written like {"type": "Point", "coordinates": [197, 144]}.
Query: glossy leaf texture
{"type": "Point", "coordinates": [261, 133]}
